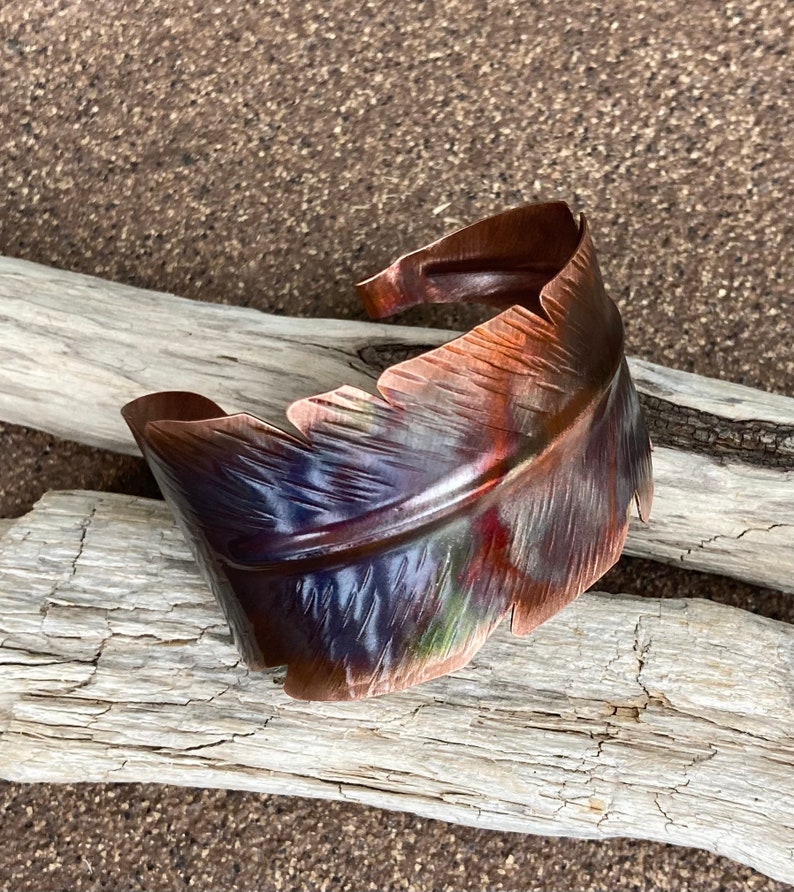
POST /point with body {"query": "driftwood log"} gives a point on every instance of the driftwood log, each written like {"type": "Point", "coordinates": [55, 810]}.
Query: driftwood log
{"type": "Point", "coordinates": [73, 349]}
{"type": "Point", "coordinates": [622, 716]}
{"type": "Point", "coordinates": [666, 720]}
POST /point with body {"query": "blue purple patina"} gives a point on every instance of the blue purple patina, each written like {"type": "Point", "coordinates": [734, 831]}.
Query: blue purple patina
{"type": "Point", "coordinates": [493, 474]}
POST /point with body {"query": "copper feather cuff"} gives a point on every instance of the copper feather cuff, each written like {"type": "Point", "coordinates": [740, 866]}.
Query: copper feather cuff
{"type": "Point", "coordinates": [382, 545]}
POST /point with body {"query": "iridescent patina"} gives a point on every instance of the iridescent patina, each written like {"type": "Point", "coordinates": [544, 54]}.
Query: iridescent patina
{"type": "Point", "coordinates": [493, 475]}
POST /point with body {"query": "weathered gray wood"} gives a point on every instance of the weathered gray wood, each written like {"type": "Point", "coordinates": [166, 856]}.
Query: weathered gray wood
{"type": "Point", "coordinates": [73, 349]}
{"type": "Point", "coordinates": [665, 720]}
{"type": "Point", "coordinates": [103, 343]}
{"type": "Point", "coordinates": [722, 517]}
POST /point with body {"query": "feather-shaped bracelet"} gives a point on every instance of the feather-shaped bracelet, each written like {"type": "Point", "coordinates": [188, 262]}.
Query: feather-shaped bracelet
{"type": "Point", "coordinates": [494, 475]}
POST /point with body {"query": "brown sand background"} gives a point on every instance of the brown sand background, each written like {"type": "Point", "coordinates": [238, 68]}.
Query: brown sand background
{"type": "Point", "coordinates": [269, 155]}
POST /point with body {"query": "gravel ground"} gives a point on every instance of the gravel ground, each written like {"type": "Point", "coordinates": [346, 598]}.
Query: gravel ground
{"type": "Point", "coordinates": [270, 155]}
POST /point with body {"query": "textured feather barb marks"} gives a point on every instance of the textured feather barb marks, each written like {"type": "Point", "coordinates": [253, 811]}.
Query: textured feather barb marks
{"type": "Point", "coordinates": [381, 545]}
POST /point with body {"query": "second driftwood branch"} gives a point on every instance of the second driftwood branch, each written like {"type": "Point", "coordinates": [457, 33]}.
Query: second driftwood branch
{"type": "Point", "coordinates": [621, 716]}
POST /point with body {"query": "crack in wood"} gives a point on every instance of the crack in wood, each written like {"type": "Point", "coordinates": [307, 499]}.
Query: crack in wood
{"type": "Point", "coordinates": [705, 542]}
{"type": "Point", "coordinates": [379, 357]}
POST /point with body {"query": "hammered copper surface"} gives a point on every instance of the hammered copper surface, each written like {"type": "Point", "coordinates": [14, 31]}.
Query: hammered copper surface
{"type": "Point", "coordinates": [491, 476]}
